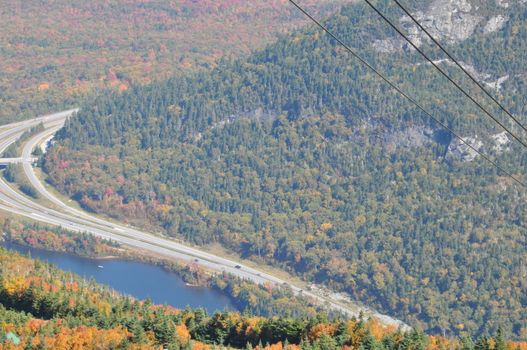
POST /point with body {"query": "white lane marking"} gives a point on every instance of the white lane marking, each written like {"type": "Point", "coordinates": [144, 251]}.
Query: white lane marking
{"type": "Point", "coordinates": [38, 215]}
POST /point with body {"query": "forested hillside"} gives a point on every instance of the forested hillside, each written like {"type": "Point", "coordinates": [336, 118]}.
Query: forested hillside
{"type": "Point", "coordinates": [42, 307]}
{"type": "Point", "coordinates": [301, 158]}
{"type": "Point", "coordinates": [54, 53]}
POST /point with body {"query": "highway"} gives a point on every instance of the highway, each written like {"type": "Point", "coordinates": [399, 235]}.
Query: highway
{"type": "Point", "coordinates": [60, 214]}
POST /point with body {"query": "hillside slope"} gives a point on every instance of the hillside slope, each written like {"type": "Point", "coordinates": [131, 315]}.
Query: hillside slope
{"type": "Point", "coordinates": [42, 307]}
{"type": "Point", "coordinates": [299, 157]}
{"type": "Point", "coordinates": [54, 53]}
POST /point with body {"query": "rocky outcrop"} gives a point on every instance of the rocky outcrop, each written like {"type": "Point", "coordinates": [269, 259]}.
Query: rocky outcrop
{"type": "Point", "coordinates": [502, 3]}
{"type": "Point", "coordinates": [457, 150]}
{"type": "Point", "coordinates": [497, 85]}
{"type": "Point", "coordinates": [380, 131]}
{"type": "Point", "coordinates": [450, 21]}
{"type": "Point", "coordinates": [388, 45]}
{"type": "Point", "coordinates": [495, 23]}
{"type": "Point", "coordinates": [413, 136]}
{"type": "Point", "coordinates": [501, 142]}
{"type": "Point", "coordinates": [484, 78]}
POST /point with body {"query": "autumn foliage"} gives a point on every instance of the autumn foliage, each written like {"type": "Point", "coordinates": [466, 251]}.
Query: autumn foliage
{"type": "Point", "coordinates": [42, 307]}
{"type": "Point", "coordinates": [84, 46]}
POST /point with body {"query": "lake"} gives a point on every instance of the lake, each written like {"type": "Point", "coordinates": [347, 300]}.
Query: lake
{"type": "Point", "coordinates": [137, 279]}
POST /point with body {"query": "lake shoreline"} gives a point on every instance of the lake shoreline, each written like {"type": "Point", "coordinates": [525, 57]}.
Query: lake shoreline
{"type": "Point", "coordinates": [138, 278]}
{"type": "Point", "coordinates": [123, 253]}
{"type": "Point", "coordinates": [242, 295]}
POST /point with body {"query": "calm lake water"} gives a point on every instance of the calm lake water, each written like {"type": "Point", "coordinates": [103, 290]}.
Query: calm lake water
{"type": "Point", "coordinates": [137, 279]}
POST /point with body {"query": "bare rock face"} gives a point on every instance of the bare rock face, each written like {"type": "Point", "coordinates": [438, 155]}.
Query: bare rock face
{"type": "Point", "coordinates": [412, 136]}
{"type": "Point", "coordinates": [495, 24]}
{"type": "Point", "coordinates": [498, 84]}
{"type": "Point", "coordinates": [501, 142]}
{"type": "Point", "coordinates": [388, 45]}
{"type": "Point", "coordinates": [506, 3]}
{"type": "Point", "coordinates": [450, 20]}
{"type": "Point", "coordinates": [460, 151]}
{"type": "Point", "coordinates": [486, 79]}
{"type": "Point", "coordinates": [502, 3]}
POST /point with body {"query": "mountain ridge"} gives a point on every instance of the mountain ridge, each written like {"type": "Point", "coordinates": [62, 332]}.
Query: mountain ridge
{"type": "Point", "coordinates": [306, 184]}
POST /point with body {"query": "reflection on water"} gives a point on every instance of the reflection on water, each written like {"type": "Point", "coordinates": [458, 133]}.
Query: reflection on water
{"type": "Point", "coordinates": [137, 279]}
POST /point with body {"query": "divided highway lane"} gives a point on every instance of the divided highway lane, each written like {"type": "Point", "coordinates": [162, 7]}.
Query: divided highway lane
{"type": "Point", "coordinates": [79, 221]}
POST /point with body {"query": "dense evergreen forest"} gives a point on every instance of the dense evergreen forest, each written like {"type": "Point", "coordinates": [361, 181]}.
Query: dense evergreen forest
{"type": "Point", "coordinates": [301, 158]}
{"type": "Point", "coordinates": [42, 307]}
